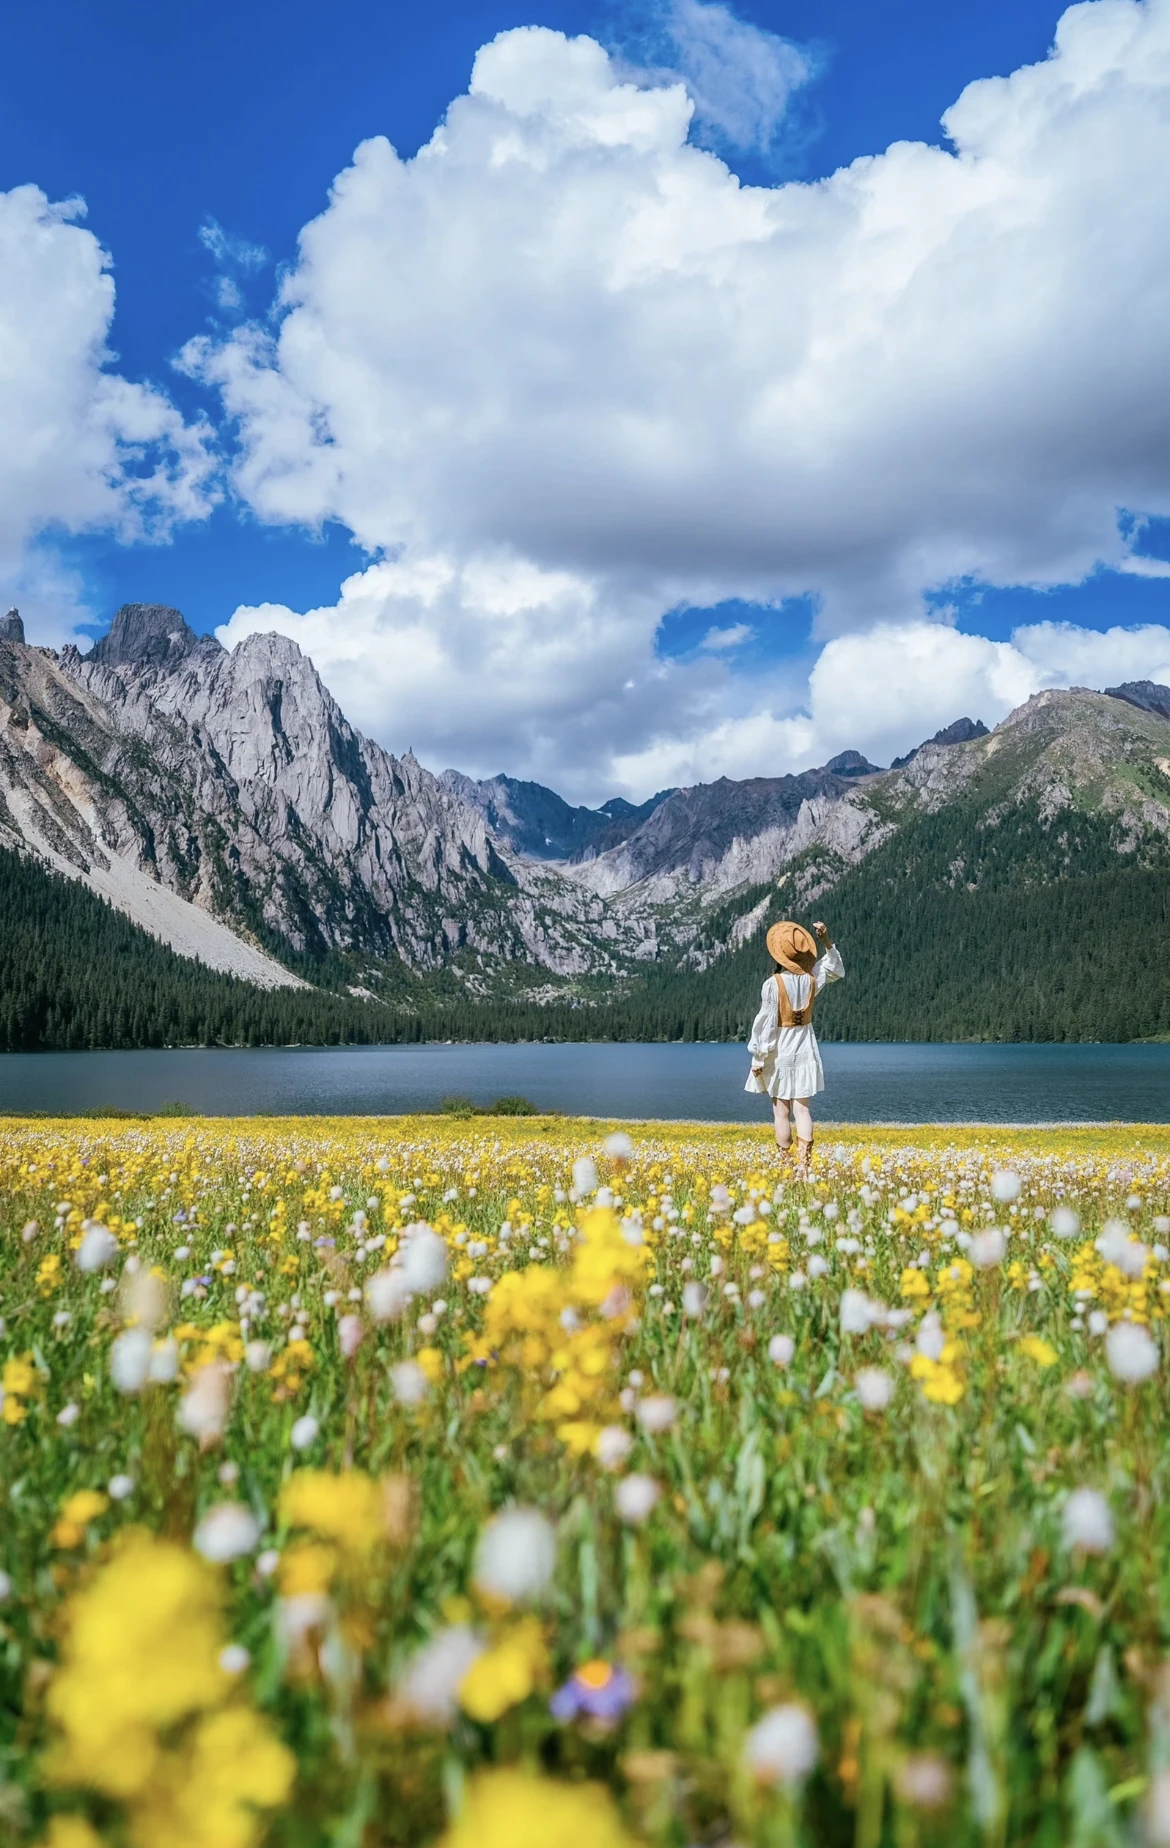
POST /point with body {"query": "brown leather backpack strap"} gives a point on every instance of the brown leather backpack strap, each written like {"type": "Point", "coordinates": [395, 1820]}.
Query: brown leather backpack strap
{"type": "Point", "coordinates": [783, 1006]}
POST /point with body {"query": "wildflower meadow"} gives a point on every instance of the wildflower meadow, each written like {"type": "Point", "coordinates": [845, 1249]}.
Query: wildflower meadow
{"type": "Point", "coordinates": [535, 1484]}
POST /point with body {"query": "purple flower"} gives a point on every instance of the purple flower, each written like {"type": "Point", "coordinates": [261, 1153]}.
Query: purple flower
{"type": "Point", "coordinates": [596, 1689]}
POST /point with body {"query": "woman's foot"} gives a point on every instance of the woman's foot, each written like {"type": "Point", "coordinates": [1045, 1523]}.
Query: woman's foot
{"type": "Point", "coordinates": [803, 1160]}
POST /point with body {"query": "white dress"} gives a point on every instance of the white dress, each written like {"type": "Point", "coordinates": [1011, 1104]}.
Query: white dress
{"type": "Point", "coordinates": [790, 1056]}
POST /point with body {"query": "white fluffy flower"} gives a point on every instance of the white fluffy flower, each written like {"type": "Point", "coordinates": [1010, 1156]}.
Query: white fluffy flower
{"type": "Point", "coordinates": [781, 1348]}
{"type": "Point", "coordinates": [257, 1357]}
{"type": "Point", "coordinates": [164, 1362]}
{"type": "Point", "coordinates": [304, 1433]}
{"type": "Point", "coordinates": [856, 1313]}
{"type": "Point", "coordinates": [656, 1413]}
{"type": "Point", "coordinates": [930, 1339]}
{"type": "Point", "coordinates": [424, 1258]}
{"type": "Point", "coordinates": [130, 1359]}
{"type": "Point", "coordinates": [874, 1387]}
{"type": "Point", "coordinates": [350, 1330]}
{"type": "Point", "coordinates": [694, 1298]}
{"type": "Point", "coordinates": [1065, 1221]}
{"type": "Point", "coordinates": [618, 1146]}
{"type": "Point", "coordinates": [118, 1488]}
{"type": "Point", "coordinates": [98, 1248]}
{"type": "Point", "coordinates": [987, 1248]}
{"type": "Point", "coordinates": [1131, 1352]}
{"type": "Point", "coordinates": [1087, 1522]}
{"type": "Point", "coordinates": [68, 1415]}
{"type": "Point", "coordinates": [409, 1382]}
{"type": "Point", "coordinates": [585, 1174]}
{"type": "Point", "coordinates": [234, 1659]}
{"type": "Point", "coordinates": [387, 1294]}
{"type": "Point", "coordinates": [614, 1445]}
{"type": "Point", "coordinates": [516, 1554]}
{"type": "Point", "coordinates": [430, 1685]}
{"type": "Point", "coordinates": [782, 1748]}
{"type": "Point", "coordinates": [635, 1498]}
{"type": "Point", "coordinates": [1005, 1186]}
{"type": "Point", "coordinates": [203, 1409]}
{"type": "Point", "coordinates": [227, 1531]}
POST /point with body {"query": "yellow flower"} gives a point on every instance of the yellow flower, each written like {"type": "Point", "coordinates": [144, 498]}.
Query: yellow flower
{"type": "Point", "coordinates": [207, 1796]}
{"type": "Point", "coordinates": [943, 1386]}
{"type": "Point", "coordinates": [579, 1436]}
{"type": "Point", "coordinates": [914, 1284]}
{"type": "Point", "coordinates": [307, 1569]}
{"type": "Point", "coordinates": [85, 1506]}
{"type": "Point", "coordinates": [431, 1362]}
{"type": "Point", "coordinates": [49, 1273]}
{"type": "Point", "coordinates": [1039, 1350]}
{"type": "Point", "coordinates": [141, 1652]}
{"type": "Point", "coordinates": [511, 1809]}
{"type": "Point", "coordinates": [76, 1514]}
{"type": "Point", "coordinates": [505, 1675]}
{"type": "Point", "coordinates": [349, 1508]}
{"type": "Point", "coordinates": [19, 1376]}
{"type": "Point", "coordinates": [71, 1832]}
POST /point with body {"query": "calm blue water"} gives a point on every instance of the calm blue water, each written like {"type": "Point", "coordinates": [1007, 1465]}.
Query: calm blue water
{"type": "Point", "coordinates": [865, 1084]}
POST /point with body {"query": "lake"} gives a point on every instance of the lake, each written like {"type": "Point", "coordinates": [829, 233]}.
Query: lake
{"type": "Point", "coordinates": [865, 1084]}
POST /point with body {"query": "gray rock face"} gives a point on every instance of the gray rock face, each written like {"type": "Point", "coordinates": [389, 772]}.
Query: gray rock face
{"type": "Point", "coordinates": [151, 635]}
{"type": "Point", "coordinates": [234, 781]}
{"type": "Point", "coordinates": [718, 835]}
{"type": "Point", "coordinates": [961, 732]}
{"type": "Point", "coordinates": [539, 824]}
{"type": "Point", "coordinates": [1147, 695]}
{"type": "Point", "coordinates": [11, 627]}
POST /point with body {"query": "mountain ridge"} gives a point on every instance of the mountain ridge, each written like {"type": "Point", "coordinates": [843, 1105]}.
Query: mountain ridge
{"type": "Point", "coordinates": [222, 799]}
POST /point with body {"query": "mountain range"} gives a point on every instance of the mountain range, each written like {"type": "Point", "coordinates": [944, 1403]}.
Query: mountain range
{"type": "Point", "coordinates": [222, 802]}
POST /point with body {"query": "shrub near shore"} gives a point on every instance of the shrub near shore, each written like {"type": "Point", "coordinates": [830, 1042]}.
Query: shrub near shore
{"type": "Point", "coordinates": [518, 1482]}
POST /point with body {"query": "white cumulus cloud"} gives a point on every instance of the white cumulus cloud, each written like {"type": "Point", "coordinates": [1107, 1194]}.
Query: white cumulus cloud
{"type": "Point", "coordinates": [565, 347]}
{"type": "Point", "coordinates": [83, 448]}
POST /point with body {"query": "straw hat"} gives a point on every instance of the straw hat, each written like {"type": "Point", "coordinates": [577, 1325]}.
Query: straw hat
{"type": "Point", "coordinates": [792, 947]}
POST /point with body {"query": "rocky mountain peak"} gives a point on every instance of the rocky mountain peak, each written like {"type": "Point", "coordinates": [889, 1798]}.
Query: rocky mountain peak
{"type": "Point", "coordinates": [1147, 695]}
{"type": "Point", "coordinates": [150, 635]}
{"type": "Point", "coordinates": [11, 627]}
{"type": "Point", "coordinates": [852, 763]}
{"type": "Point", "coordinates": [961, 731]}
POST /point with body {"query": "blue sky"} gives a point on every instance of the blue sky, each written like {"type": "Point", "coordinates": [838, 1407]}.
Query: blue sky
{"type": "Point", "coordinates": [169, 120]}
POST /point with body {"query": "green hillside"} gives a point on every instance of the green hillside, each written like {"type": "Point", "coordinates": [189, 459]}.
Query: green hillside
{"type": "Point", "coordinates": [958, 930]}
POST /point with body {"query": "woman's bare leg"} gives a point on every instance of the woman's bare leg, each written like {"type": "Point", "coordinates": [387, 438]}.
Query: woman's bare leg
{"type": "Point", "coordinates": [783, 1125]}
{"type": "Point", "coordinates": [802, 1116]}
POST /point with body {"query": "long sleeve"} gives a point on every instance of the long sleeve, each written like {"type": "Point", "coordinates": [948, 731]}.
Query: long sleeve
{"type": "Point", "coordinates": [828, 968]}
{"type": "Point", "coordinates": [766, 1027]}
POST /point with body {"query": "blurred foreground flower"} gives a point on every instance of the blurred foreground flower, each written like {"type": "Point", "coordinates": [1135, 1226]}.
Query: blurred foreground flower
{"type": "Point", "coordinates": [1087, 1522]}
{"type": "Point", "coordinates": [511, 1809]}
{"type": "Point", "coordinates": [782, 1748]}
{"type": "Point", "coordinates": [515, 1556]}
{"type": "Point", "coordinates": [143, 1711]}
{"type": "Point", "coordinates": [598, 1690]}
{"type": "Point", "coordinates": [1131, 1352]}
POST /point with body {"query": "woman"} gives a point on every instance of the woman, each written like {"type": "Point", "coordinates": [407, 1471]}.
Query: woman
{"type": "Point", "coordinates": [786, 1060]}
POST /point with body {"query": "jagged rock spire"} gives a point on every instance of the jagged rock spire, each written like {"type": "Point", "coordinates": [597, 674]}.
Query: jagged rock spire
{"type": "Point", "coordinates": [11, 627]}
{"type": "Point", "coordinates": [150, 634]}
